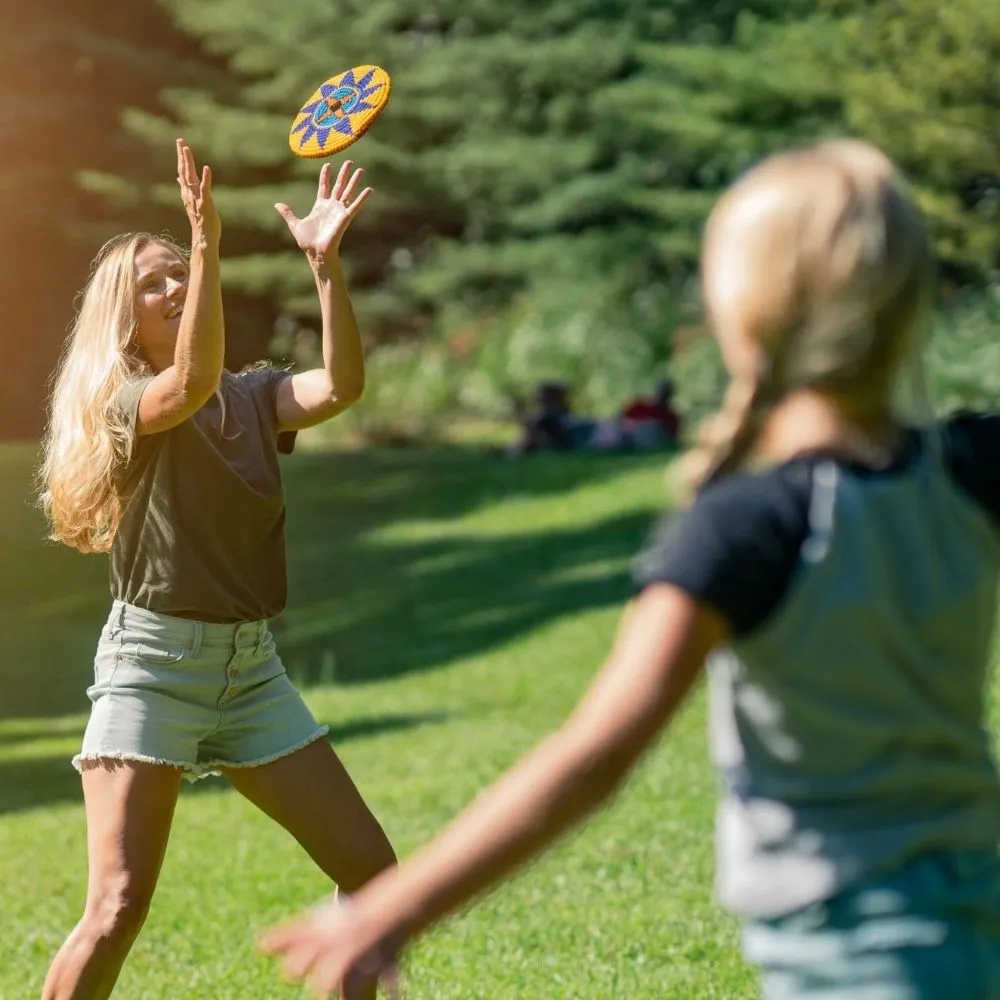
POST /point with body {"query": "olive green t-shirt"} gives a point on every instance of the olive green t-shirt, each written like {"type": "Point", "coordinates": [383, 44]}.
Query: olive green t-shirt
{"type": "Point", "coordinates": [202, 535]}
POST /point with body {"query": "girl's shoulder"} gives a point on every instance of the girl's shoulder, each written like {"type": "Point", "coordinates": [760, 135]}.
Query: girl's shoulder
{"type": "Point", "coordinates": [736, 547]}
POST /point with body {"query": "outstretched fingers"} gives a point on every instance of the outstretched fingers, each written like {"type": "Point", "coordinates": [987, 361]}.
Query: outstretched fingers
{"type": "Point", "coordinates": [286, 213]}
{"type": "Point", "coordinates": [187, 172]}
{"type": "Point", "coordinates": [190, 168]}
{"type": "Point", "coordinates": [338, 188]}
{"type": "Point", "coordinates": [355, 205]}
{"type": "Point", "coordinates": [348, 191]}
{"type": "Point", "coordinates": [324, 187]}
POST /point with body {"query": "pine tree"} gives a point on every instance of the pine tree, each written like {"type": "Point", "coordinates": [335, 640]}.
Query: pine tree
{"type": "Point", "coordinates": [67, 67]}
{"type": "Point", "coordinates": [586, 190]}
{"type": "Point", "coordinates": [922, 79]}
{"type": "Point", "coordinates": [570, 141]}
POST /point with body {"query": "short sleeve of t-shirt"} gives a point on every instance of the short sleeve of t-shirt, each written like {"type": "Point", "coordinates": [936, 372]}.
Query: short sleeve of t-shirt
{"type": "Point", "coordinates": [736, 547]}
{"type": "Point", "coordinates": [127, 399]}
{"type": "Point", "coordinates": [263, 384]}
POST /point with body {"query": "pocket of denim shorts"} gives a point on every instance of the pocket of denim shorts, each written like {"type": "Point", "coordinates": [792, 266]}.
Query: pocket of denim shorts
{"type": "Point", "coordinates": [147, 654]}
{"type": "Point", "coordinates": [105, 665]}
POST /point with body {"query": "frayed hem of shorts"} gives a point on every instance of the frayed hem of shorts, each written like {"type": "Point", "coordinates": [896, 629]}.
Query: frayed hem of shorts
{"type": "Point", "coordinates": [192, 772]}
{"type": "Point", "coordinates": [271, 758]}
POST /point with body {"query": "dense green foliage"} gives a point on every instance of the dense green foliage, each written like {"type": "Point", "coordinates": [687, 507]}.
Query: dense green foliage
{"type": "Point", "coordinates": [923, 80]}
{"type": "Point", "coordinates": [541, 174]}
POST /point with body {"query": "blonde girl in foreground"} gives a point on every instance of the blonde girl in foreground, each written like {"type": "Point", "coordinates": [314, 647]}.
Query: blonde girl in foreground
{"type": "Point", "coordinates": [837, 570]}
{"type": "Point", "coordinates": [159, 455]}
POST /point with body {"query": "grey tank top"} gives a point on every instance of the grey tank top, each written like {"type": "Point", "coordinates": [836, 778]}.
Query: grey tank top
{"type": "Point", "coordinates": [848, 729]}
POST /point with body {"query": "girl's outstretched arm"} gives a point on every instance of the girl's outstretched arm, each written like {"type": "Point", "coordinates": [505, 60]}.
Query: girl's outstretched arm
{"type": "Point", "coordinates": [659, 652]}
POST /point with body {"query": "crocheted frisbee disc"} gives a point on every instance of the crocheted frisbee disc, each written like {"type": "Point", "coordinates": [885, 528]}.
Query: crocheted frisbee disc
{"type": "Point", "coordinates": [340, 112]}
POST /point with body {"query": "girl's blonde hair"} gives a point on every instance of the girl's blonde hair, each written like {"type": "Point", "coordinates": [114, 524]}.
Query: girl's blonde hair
{"type": "Point", "coordinates": [821, 258]}
{"type": "Point", "coordinates": [88, 440]}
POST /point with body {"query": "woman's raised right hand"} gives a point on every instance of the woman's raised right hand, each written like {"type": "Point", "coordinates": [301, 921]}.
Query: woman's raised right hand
{"type": "Point", "coordinates": [196, 194]}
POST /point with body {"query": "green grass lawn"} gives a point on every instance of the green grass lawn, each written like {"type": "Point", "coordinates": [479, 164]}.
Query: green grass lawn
{"type": "Point", "coordinates": [446, 610]}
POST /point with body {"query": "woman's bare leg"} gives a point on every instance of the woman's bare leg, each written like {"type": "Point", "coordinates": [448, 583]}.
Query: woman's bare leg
{"type": "Point", "coordinates": [130, 806]}
{"type": "Point", "coordinates": [312, 796]}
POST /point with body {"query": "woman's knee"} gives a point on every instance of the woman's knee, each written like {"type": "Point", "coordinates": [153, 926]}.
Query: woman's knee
{"type": "Point", "coordinates": [117, 909]}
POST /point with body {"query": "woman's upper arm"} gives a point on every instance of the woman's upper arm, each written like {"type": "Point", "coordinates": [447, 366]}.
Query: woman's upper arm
{"type": "Point", "coordinates": [307, 398]}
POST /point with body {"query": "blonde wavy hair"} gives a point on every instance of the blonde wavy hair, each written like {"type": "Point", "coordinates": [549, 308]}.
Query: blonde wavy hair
{"type": "Point", "coordinates": [88, 441]}
{"type": "Point", "coordinates": [822, 259]}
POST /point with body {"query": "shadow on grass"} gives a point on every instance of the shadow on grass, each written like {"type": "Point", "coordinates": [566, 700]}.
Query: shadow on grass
{"type": "Point", "coordinates": [366, 601]}
{"type": "Point", "coordinates": [363, 606]}
{"type": "Point", "coordinates": [36, 782]}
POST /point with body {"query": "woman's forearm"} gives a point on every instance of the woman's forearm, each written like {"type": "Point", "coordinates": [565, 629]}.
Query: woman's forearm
{"type": "Point", "coordinates": [343, 356]}
{"type": "Point", "coordinates": [200, 348]}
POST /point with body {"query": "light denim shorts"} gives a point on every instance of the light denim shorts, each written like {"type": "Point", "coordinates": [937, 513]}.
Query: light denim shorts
{"type": "Point", "coordinates": [194, 695]}
{"type": "Point", "coordinates": [928, 931]}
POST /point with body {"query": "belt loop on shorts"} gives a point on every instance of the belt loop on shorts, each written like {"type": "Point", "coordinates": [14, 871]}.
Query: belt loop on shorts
{"type": "Point", "coordinates": [115, 632]}
{"type": "Point", "coordinates": [196, 637]}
